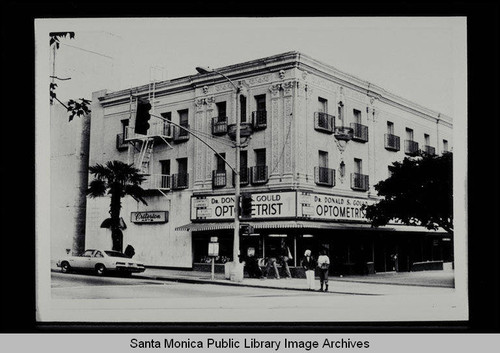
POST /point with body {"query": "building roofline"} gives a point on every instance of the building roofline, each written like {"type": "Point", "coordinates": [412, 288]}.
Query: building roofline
{"type": "Point", "coordinates": [272, 63]}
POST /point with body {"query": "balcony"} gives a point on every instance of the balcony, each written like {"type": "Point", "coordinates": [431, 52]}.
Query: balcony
{"type": "Point", "coordinates": [324, 176]}
{"type": "Point", "coordinates": [121, 144]}
{"type": "Point", "coordinates": [244, 176]}
{"type": "Point", "coordinates": [157, 182]}
{"type": "Point", "coordinates": [392, 142]}
{"type": "Point", "coordinates": [218, 178]}
{"type": "Point", "coordinates": [359, 132]}
{"type": "Point", "coordinates": [219, 125]}
{"type": "Point", "coordinates": [259, 174]}
{"type": "Point", "coordinates": [343, 133]}
{"type": "Point", "coordinates": [246, 129]}
{"type": "Point", "coordinates": [323, 122]}
{"type": "Point", "coordinates": [259, 120]}
{"type": "Point", "coordinates": [157, 128]}
{"type": "Point", "coordinates": [429, 150]}
{"type": "Point", "coordinates": [359, 182]}
{"type": "Point", "coordinates": [180, 134]}
{"type": "Point", "coordinates": [411, 147]}
{"type": "Point", "coordinates": [180, 181]}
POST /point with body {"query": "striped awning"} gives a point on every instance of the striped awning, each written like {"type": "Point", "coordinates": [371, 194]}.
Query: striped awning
{"type": "Point", "coordinates": [198, 227]}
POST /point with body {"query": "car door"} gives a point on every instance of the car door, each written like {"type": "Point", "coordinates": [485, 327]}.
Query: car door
{"type": "Point", "coordinates": [83, 260]}
{"type": "Point", "coordinates": [96, 258]}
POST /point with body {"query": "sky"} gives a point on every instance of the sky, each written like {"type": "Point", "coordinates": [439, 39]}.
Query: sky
{"type": "Point", "coordinates": [418, 58]}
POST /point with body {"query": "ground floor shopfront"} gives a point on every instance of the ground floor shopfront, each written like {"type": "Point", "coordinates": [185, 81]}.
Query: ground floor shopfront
{"type": "Point", "coordinates": [352, 248]}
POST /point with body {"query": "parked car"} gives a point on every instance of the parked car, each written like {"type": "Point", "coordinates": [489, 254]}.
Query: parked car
{"type": "Point", "coordinates": [100, 261]}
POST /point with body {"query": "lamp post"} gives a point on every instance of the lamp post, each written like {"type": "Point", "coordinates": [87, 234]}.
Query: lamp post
{"type": "Point", "coordinates": [237, 268]}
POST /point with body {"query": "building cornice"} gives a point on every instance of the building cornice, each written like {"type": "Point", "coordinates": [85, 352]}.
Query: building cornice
{"type": "Point", "coordinates": [288, 60]}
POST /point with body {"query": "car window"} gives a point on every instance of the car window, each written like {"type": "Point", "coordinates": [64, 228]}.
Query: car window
{"type": "Point", "coordinates": [98, 254]}
{"type": "Point", "coordinates": [88, 253]}
{"type": "Point", "coordinates": [115, 254]}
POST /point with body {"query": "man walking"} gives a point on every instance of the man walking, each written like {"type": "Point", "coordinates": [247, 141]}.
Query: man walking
{"type": "Point", "coordinates": [323, 265]}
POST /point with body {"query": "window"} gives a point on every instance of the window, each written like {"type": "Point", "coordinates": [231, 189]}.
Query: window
{"type": "Point", "coordinates": [98, 254]}
{"type": "Point", "coordinates": [322, 105]}
{"type": "Point", "coordinates": [409, 134]}
{"type": "Point", "coordinates": [125, 123]}
{"type": "Point", "coordinates": [427, 139]}
{"type": "Point", "coordinates": [390, 128]}
{"type": "Point", "coordinates": [358, 166]}
{"type": "Point", "coordinates": [221, 109]}
{"type": "Point", "coordinates": [260, 157]}
{"type": "Point", "coordinates": [167, 116]}
{"type": "Point", "coordinates": [445, 146]}
{"type": "Point", "coordinates": [220, 164]}
{"type": "Point", "coordinates": [323, 159]}
{"type": "Point", "coordinates": [243, 108]}
{"type": "Point", "coordinates": [183, 117]}
{"type": "Point", "coordinates": [260, 102]}
{"type": "Point", "coordinates": [165, 174]}
{"type": "Point", "coordinates": [244, 167]}
{"type": "Point", "coordinates": [182, 165]}
{"type": "Point", "coordinates": [357, 116]}
{"type": "Point", "coordinates": [165, 167]}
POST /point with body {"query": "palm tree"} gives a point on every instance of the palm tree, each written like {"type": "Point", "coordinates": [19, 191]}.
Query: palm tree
{"type": "Point", "coordinates": [117, 179]}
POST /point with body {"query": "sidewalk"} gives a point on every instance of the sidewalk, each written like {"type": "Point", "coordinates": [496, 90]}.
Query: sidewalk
{"type": "Point", "coordinates": [376, 284]}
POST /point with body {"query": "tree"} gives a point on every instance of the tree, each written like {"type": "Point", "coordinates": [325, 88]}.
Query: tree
{"type": "Point", "coordinates": [419, 192]}
{"type": "Point", "coordinates": [116, 179]}
{"type": "Point", "coordinates": [74, 107]}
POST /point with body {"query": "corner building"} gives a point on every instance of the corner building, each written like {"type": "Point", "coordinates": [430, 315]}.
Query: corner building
{"type": "Point", "coordinates": [314, 142]}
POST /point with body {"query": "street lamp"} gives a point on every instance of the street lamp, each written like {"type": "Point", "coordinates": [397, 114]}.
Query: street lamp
{"type": "Point", "coordinates": [237, 268]}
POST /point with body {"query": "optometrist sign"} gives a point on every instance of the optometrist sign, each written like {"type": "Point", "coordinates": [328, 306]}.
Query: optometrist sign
{"type": "Point", "coordinates": [264, 206]}
{"type": "Point", "coordinates": [330, 207]}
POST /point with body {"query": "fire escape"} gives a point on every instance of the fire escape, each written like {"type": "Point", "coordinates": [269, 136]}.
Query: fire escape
{"type": "Point", "coordinates": [144, 135]}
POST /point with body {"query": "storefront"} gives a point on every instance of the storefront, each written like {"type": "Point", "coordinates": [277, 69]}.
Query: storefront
{"type": "Point", "coordinates": [314, 221]}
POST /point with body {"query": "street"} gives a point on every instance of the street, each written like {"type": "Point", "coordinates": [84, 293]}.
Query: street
{"type": "Point", "coordinates": [80, 286]}
{"type": "Point", "coordinates": [89, 298]}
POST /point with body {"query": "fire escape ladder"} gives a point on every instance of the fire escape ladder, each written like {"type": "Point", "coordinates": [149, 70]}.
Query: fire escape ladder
{"type": "Point", "coordinates": [145, 155]}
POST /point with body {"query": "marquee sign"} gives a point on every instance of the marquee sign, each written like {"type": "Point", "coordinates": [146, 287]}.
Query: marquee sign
{"type": "Point", "coordinates": [264, 206]}
{"type": "Point", "coordinates": [330, 207]}
{"type": "Point", "coordinates": [149, 217]}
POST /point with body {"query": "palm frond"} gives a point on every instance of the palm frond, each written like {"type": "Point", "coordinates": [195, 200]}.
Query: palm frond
{"type": "Point", "coordinates": [96, 188]}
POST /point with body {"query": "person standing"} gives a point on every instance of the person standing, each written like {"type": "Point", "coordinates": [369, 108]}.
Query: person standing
{"type": "Point", "coordinates": [309, 265]}
{"type": "Point", "coordinates": [284, 256]}
{"type": "Point", "coordinates": [323, 265]}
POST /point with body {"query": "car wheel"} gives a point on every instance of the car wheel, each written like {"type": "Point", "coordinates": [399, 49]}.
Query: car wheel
{"type": "Point", "coordinates": [100, 269]}
{"type": "Point", "coordinates": [65, 267]}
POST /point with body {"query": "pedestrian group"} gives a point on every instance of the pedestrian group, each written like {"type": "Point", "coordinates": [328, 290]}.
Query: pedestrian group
{"type": "Point", "coordinates": [282, 255]}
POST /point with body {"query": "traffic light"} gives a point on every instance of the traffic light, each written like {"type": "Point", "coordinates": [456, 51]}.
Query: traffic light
{"type": "Point", "coordinates": [246, 229]}
{"type": "Point", "coordinates": [142, 117]}
{"type": "Point", "coordinates": [246, 205]}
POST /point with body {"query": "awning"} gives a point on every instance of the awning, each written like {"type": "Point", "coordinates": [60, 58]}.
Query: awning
{"type": "Point", "coordinates": [107, 223]}
{"type": "Point", "coordinates": [198, 227]}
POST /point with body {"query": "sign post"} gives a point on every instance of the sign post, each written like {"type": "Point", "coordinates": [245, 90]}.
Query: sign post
{"type": "Point", "coordinates": [213, 252]}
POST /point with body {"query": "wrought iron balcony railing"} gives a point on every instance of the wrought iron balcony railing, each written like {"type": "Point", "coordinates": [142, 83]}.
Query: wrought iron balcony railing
{"type": "Point", "coordinates": [244, 176]}
{"type": "Point", "coordinates": [392, 142]}
{"type": "Point", "coordinates": [180, 134]}
{"type": "Point", "coordinates": [323, 122]}
{"type": "Point", "coordinates": [259, 119]}
{"type": "Point", "coordinates": [429, 150]}
{"type": "Point", "coordinates": [246, 130]}
{"type": "Point", "coordinates": [219, 125]}
{"type": "Point", "coordinates": [324, 176]}
{"type": "Point", "coordinates": [411, 147]}
{"type": "Point", "coordinates": [121, 144]}
{"type": "Point", "coordinates": [259, 174]}
{"type": "Point", "coordinates": [157, 182]}
{"type": "Point", "coordinates": [359, 182]}
{"type": "Point", "coordinates": [180, 181]}
{"type": "Point", "coordinates": [359, 132]}
{"type": "Point", "coordinates": [218, 178]}
{"type": "Point", "coordinates": [343, 133]}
